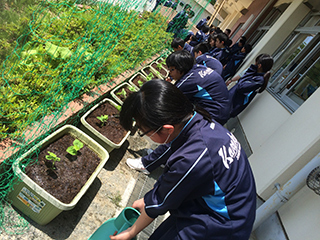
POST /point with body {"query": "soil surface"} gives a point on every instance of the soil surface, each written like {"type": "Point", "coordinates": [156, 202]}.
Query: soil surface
{"type": "Point", "coordinates": [63, 179]}
{"type": "Point", "coordinates": [136, 80]}
{"type": "Point", "coordinates": [148, 73]}
{"type": "Point", "coordinates": [162, 71]}
{"type": "Point", "coordinates": [164, 64]}
{"type": "Point", "coordinates": [120, 94]}
{"type": "Point", "coordinates": [111, 129]}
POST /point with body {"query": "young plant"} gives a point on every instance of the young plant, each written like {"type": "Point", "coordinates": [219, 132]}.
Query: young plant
{"type": "Point", "coordinates": [52, 157]}
{"type": "Point", "coordinates": [140, 83]}
{"type": "Point", "coordinates": [77, 145]}
{"type": "Point", "coordinates": [132, 89]}
{"type": "Point", "coordinates": [118, 107]}
{"type": "Point", "coordinates": [160, 65]}
{"type": "Point", "coordinates": [150, 76]}
{"type": "Point", "coordinates": [122, 93]}
{"type": "Point", "coordinates": [103, 119]}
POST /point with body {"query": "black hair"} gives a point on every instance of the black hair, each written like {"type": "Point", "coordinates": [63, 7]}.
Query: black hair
{"type": "Point", "coordinates": [228, 43]}
{"type": "Point", "coordinates": [218, 30]}
{"type": "Point", "coordinates": [187, 6]}
{"type": "Point", "coordinates": [247, 47]}
{"type": "Point", "coordinates": [157, 103]}
{"type": "Point", "coordinates": [223, 37]}
{"type": "Point", "coordinates": [266, 62]}
{"type": "Point", "coordinates": [183, 61]}
{"type": "Point", "coordinates": [205, 28]}
{"type": "Point", "coordinates": [228, 31]}
{"type": "Point", "coordinates": [208, 18]}
{"type": "Point", "coordinates": [243, 40]}
{"type": "Point", "coordinates": [176, 42]}
{"type": "Point", "coordinates": [203, 47]}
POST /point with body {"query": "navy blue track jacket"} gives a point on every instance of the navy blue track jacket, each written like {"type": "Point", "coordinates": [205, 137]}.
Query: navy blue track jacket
{"type": "Point", "coordinates": [232, 65]}
{"type": "Point", "coordinates": [222, 54]}
{"type": "Point", "coordinates": [207, 186]}
{"type": "Point", "coordinates": [205, 87]}
{"type": "Point", "coordinates": [245, 90]}
{"type": "Point", "coordinates": [210, 62]}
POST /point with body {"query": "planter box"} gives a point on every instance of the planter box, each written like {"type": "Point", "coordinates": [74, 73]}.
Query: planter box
{"type": "Point", "coordinates": [136, 79]}
{"type": "Point", "coordinates": [163, 70]}
{"type": "Point", "coordinates": [120, 98]}
{"type": "Point", "coordinates": [36, 202]}
{"type": "Point", "coordinates": [108, 144]}
{"type": "Point", "coordinates": [147, 70]}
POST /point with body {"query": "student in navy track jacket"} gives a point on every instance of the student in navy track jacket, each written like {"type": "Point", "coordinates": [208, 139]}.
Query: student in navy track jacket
{"type": "Point", "coordinates": [203, 86]}
{"type": "Point", "coordinates": [207, 184]}
{"type": "Point", "coordinates": [200, 53]}
{"type": "Point", "coordinates": [253, 81]}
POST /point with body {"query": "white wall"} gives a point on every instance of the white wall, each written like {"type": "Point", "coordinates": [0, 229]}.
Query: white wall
{"type": "Point", "coordinates": [301, 215]}
{"type": "Point", "coordinates": [262, 118]}
{"type": "Point", "coordinates": [283, 143]}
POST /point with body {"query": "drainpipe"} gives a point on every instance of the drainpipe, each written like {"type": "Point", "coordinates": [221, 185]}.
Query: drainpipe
{"type": "Point", "coordinates": [284, 193]}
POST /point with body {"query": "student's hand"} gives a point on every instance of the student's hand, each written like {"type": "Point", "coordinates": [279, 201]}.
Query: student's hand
{"type": "Point", "coordinates": [139, 204]}
{"type": "Point", "coordinates": [126, 234]}
{"type": "Point", "coordinates": [168, 79]}
{"type": "Point", "coordinates": [228, 82]}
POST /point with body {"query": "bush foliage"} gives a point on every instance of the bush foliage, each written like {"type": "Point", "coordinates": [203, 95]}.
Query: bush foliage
{"type": "Point", "coordinates": [54, 51]}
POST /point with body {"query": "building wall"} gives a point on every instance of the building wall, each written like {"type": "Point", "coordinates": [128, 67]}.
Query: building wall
{"type": "Point", "coordinates": [254, 9]}
{"type": "Point", "coordinates": [282, 143]}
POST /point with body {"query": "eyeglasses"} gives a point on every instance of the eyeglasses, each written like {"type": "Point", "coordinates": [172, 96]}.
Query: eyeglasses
{"type": "Point", "coordinates": [141, 134]}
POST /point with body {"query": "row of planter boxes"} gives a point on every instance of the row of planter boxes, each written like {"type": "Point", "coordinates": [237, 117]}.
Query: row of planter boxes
{"type": "Point", "coordinates": [40, 200]}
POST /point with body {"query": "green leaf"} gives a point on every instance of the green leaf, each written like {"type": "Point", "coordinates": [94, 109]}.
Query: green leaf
{"type": "Point", "coordinates": [77, 144]}
{"type": "Point", "coordinates": [72, 150]}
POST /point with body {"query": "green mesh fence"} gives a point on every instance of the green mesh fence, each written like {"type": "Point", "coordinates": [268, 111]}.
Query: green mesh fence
{"type": "Point", "coordinates": [53, 52]}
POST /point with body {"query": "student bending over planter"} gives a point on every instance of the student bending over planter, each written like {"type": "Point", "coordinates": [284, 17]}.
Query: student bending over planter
{"type": "Point", "coordinates": [203, 87]}
{"type": "Point", "coordinates": [209, 191]}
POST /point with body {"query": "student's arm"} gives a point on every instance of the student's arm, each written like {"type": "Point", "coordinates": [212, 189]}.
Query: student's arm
{"type": "Point", "coordinates": [142, 222]}
{"type": "Point", "coordinates": [234, 79]}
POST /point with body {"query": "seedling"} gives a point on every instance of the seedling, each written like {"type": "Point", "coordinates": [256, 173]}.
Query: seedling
{"type": "Point", "coordinates": [103, 119]}
{"type": "Point", "coordinates": [123, 93]}
{"type": "Point", "coordinates": [77, 145]}
{"type": "Point", "coordinates": [140, 83]}
{"type": "Point", "coordinates": [52, 157]}
{"type": "Point", "coordinates": [160, 65]}
{"type": "Point", "coordinates": [132, 89]}
{"type": "Point", "coordinates": [118, 107]}
{"type": "Point", "coordinates": [150, 76]}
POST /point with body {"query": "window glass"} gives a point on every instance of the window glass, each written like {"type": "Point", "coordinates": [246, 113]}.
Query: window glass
{"type": "Point", "coordinates": [296, 71]}
{"type": "Point", "coordinates": [307, 84]}
{"type": "Point", "coordinates": [288, 54]}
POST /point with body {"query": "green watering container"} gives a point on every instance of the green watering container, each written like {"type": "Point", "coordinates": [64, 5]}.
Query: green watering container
{"type": "Point", "coordinates": [126, 219]}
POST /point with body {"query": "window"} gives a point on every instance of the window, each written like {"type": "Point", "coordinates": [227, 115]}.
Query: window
{"type": "Point", "coordinates": [297, 65]}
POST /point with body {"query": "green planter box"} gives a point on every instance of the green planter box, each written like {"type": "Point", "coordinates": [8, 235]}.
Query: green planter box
{"type": "Point", "coordinates": [34, 201]}
{"type": "Point", "coordinates": [92, 132]}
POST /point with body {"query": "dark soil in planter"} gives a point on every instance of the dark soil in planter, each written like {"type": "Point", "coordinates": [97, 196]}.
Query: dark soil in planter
{"type": "Point", "coordinates": [160, 70]}
{"type": "Point", "coordinates": [121, 96]}
{"type": "Point", "coordinates": [69, 175]}
{"type": "Point", "coordinates": [164, 64]}
{"type": "Point", "coordinates": [148, 71]}
{"type": "Point", "coordinates": [110, 129]}
{"type": "Point", "coordinates": [137, 79]}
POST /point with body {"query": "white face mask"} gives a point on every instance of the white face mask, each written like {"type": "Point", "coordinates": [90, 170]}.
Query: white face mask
{"type": "Point", "coordinates": [148, 139]}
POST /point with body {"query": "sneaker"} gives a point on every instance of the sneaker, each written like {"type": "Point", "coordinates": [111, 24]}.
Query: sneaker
{"type": "Point", "coordinates": [136, 163]}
